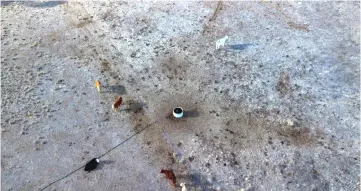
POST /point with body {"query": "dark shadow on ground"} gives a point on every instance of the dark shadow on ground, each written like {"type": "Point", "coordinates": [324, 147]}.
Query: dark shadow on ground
{"type": "Point", "coordinates": [195, 181]}
{"type": "Point", "coordinates": [134, 107]}
{"type": "Point", "coordinates": [6, 3]}
{"type": "Point", "coordinates": [43, 4]}
{"type": "Point", "coordinates": [239, 46]}
{"type": "Point", "coordinates": [117, 89]}
{"type": "Point", "coordinates": [103, 163]}
{"type": "Point", "coordinates": [190, 113]}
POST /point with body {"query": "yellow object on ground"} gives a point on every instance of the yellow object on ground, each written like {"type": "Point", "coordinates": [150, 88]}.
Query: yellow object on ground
{"type": "Point", "coordinates": [98, 85]}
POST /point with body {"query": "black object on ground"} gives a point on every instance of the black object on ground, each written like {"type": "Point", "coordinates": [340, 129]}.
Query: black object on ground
{"type": "Point", "coordinates": [91, 165]}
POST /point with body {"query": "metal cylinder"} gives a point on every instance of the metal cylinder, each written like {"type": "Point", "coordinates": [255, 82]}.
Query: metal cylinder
{"type": "Point", "coordinates": [178, 112]}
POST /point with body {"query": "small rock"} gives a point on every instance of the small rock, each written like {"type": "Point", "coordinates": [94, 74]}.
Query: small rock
{"type": "Point", "coordinates": [191, 158]}
{"type": "Point", "coordinates": [290, 123]}
{"type": "Point", "coordinates": [133, 54]}
{"type": "Point", "coordinates": [44, 142]}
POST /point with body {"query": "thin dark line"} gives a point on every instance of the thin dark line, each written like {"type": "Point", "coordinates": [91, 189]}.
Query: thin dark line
{"type": "Point", "coordinates": [149, 125]}
{"type": "Point", "coordinates": [62, 178]}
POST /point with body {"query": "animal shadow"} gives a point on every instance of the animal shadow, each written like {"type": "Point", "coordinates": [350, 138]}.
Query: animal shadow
{"type": "Point", "coordinates": [116, 89]}
{"type": "Point", "coordinates": [239, 46]}
{"type": "Point", "coordinates": [134, 107]}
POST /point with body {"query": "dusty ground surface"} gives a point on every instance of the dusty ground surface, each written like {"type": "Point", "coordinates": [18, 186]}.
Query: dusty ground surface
{"type": "Point", "coordinates": [276, 109]}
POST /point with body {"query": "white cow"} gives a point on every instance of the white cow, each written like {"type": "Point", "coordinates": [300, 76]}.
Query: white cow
{"type": "Point", "coordinates": [220, 43]}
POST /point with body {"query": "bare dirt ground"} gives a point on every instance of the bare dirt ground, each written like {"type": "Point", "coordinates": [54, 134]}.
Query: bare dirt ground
{"type": "Point", "coordinates": [277, 108]}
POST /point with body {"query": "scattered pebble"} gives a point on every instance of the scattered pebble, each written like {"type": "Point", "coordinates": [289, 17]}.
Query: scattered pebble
{"type": "Point", "coordinates": [133, 54]}
{"type": "Point", "coordinates": [290, 122]}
